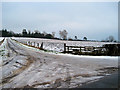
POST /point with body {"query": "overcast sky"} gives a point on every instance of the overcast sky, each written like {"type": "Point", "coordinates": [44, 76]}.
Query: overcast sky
{"type": "Point", "coordinates": [93, 20]}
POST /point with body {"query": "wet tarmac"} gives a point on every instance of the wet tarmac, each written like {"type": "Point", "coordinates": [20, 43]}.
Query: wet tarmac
{"type": "Point", "coordinates": [112, 81]}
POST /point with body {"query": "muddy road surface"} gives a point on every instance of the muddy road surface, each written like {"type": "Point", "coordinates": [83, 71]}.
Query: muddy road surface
{"type": "Point", "coordinates": [22, 66]}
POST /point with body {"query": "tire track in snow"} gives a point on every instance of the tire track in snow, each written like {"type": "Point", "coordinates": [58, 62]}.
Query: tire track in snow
{"type": "Point", "coordinates": [11, 46]}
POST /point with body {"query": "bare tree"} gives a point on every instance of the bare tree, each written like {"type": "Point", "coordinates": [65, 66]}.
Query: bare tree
{"type": "Point", "coordinates": [53, 34]}
{"type": "Point", "coordinates": [85, 38]}
{"type": "Point", "coordinates": [63, 34]}
{"type": "Point", "coordinates": [60, 33]}
{"type": "Point", "coordinates": [110, 39]}
{"type": "Point", "coordinates": [44, 33]}
{"type": "Point", "coordinates": [36, 31]}
{"type": "Point", "coordinates": [29, 32]}
{"type": "Point", "coordinates": [24, 32]}
{"type": "Point", "coordinates": [75, 37]}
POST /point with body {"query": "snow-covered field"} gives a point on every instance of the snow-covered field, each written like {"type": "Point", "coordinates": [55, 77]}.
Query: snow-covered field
{"type": "Point", "coordinates": [26, 67]}
{"type": "Point", "coordinates": [58, 45]}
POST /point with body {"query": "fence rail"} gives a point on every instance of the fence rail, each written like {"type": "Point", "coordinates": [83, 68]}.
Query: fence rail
{"type": "Point", "coordinates": [107, 49]}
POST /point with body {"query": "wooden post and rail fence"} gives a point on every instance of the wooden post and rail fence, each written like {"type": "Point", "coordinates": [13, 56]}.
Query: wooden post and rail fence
{"type": "Point", "coordinates": [106, 49]}
{"type": "Point", "coordinates": [33, 44]}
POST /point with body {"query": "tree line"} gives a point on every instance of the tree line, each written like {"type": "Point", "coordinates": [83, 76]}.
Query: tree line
{"type": "Point", "coordinates": [25, 33]}
{"type": "Point", "coordinates": [37, 34]}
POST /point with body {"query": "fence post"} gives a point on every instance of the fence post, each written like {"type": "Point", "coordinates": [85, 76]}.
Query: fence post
{"type": "Point", "coordinates": [68, 49]}
{"type": "Point", "coordinates": [64, 47]}
{"type": "Point", "coordinates": [80, 49]}
{"type": "Point", "coordinates": [41, 47]}
{"type": "Point", "coordinates": [38, 45]}
{"type": "Point", "coordinates": [30, 43]}
{"type": "Point", "coordinates": [34, 44]}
